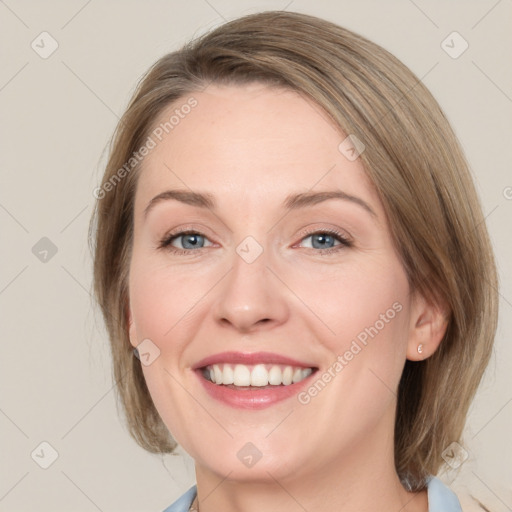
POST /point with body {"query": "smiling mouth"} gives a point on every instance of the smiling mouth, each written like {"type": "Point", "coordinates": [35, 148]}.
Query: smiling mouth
{"type": "Point", "coordinates": [241, 376]}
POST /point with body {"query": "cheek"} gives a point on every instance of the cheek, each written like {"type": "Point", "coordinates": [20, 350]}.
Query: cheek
{"type": "Point", "coordinates": [360, 301]}
{"type": "Point", "coordinates": [162, 300]}
{"type": "Point", "coordinates": [364, 313]}
{"type": "Point", "coordinates": [368, 311]}
{"type": "Point", "coordinates": [177, 411]}
{"type": "Point", "coordinates": [162, 303]}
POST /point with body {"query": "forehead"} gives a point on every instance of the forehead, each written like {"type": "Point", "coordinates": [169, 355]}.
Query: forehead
{"type": "Point", "coordinates": [249, 141]}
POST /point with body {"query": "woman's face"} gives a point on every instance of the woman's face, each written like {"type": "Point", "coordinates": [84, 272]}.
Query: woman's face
{"type": "Point", "coordinates": [275, 332]}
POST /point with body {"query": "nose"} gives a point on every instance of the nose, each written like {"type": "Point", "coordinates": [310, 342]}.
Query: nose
{"type": "Point", "coordinates": [251, 297]}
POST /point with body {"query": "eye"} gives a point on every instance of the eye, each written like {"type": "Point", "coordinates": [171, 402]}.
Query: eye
{"type": "Point", "coordinates": [326, 241]}
{"type": "Point", "coordinates": [184, 241]}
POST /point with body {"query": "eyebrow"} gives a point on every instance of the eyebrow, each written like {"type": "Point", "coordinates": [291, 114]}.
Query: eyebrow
{"type": "Point", "coordinates": [296, 201]}
{"type": "Point", "coordinates": [292, 202]}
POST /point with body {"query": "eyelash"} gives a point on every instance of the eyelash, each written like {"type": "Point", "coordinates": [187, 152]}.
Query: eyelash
{"type": "Point", "coordinates": [165, 243]}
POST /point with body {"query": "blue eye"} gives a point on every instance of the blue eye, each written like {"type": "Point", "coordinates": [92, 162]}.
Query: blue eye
{"type": "Point", "coordinates": [186, 240]}
{"type": "Point", "coordinates": [327, 241]}
{"type": "Point", "coordinates": [322, 241]}
{"type": "Point", "coordinates": [191, 241]}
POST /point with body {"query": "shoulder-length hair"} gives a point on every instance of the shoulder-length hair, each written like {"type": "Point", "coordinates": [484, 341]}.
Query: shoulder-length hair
{"type": "Point", "coordinates": [416, 165]}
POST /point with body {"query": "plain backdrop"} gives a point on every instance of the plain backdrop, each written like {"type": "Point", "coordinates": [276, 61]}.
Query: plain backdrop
{"type": "Point", "coordinates": [58, 111]}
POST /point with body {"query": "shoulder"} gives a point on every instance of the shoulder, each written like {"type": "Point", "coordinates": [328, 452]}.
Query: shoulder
{"type": "Point", "coordinates": [441, 498]}
{"type": "Point", "coordinates": [182, 504]}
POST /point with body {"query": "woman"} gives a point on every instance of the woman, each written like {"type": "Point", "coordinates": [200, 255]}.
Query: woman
{"type": "Point", "coordinates": [289, 241]}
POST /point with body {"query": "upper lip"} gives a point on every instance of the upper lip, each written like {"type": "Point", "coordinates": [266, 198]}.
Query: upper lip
{"type": "Point", "coordinates": [250, 358]}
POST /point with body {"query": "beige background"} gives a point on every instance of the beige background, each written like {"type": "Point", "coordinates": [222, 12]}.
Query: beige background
{"type": "Point", "coordinates": [57, 115]}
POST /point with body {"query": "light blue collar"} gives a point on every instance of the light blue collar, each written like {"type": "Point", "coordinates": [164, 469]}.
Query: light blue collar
{"type": "Point", "coordinates": [441, 498]}
{"type": "Point", "coordinates": [183, 503]}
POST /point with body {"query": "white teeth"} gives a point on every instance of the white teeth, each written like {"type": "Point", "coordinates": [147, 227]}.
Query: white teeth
{"type": "Point", "coordinates": [228, 375]}
{"type": "Point", "coordinates": [297, 375]}
{"type": "Point", "coordinates": [259, 375]}
{"type": "Point", "coordinates": [287, 375]}
{"type": "Point", "coordinates": [275, 376]}
{"type": "Point", "coordinates": [217, 372]}
{"type": "Point", "coordinates": [241, 375]}
{"type": "Point", "coordinates": [306, 372]}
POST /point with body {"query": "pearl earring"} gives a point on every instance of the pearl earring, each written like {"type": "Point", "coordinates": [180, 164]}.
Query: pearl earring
{"type": "Point", "coordinates": [420, 348]}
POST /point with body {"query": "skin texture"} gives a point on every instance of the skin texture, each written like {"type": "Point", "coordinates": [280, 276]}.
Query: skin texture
{"type": "Point", "coordinates": [250, 147]}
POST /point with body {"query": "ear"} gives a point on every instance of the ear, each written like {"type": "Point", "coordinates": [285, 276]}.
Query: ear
{"type": "Point", "coordinates": [428, 326]}
{"type": "Point", "coordinates": [132, 330]}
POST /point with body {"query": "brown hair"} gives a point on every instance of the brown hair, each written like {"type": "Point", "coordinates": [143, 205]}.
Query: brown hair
{"type": "Point", "coordinates": [412, 157]}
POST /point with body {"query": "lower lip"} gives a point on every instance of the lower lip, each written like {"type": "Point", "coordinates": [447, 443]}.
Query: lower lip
{"type": "Point", "coordinates": [253, 397]}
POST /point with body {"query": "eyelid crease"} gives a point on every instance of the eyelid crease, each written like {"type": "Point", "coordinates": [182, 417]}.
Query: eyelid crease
{"type": "Point", "coordinates": [331, 231]}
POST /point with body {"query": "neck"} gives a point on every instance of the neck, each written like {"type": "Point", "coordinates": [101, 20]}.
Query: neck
{"type": "Point", "coordinates": [364, 479]}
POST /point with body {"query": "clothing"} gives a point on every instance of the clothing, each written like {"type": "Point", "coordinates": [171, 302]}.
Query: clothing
{"type": "Point", "coordinates": [440, 498]}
